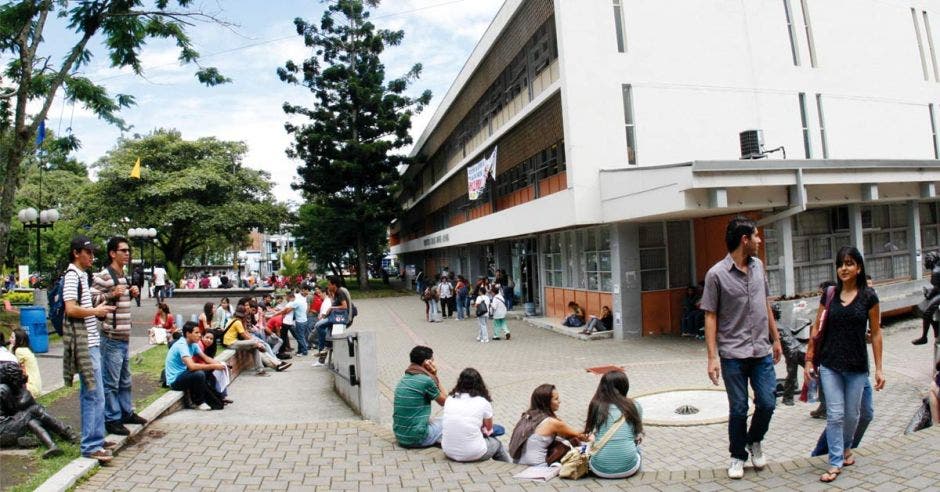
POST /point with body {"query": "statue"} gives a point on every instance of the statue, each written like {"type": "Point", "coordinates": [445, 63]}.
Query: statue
{"type": "Point", "coordinates": [928, 307]}
{"type": "Point", "coordinates": [21, 416]}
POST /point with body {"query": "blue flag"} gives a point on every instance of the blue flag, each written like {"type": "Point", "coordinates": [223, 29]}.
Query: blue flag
{"type": "Point", "coordinates": [41, 133]}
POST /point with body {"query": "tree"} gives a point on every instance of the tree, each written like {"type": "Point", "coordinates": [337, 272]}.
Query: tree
{"type": "Point", "coordinates": [192, 192]}
{"type": "Point", "coordinates": [295, 265]}
{"type": "Point", "coordinates": [349, 170]}
{"type": "Point", "coordinates": [34, 75]}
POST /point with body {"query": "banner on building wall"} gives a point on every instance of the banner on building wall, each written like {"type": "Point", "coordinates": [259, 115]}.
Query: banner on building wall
{"type": "Point", "coordinates": [477, 174]}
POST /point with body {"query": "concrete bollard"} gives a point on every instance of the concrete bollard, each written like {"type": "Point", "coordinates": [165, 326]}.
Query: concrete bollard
{"type": "Point", "coordinates": [355, 372]}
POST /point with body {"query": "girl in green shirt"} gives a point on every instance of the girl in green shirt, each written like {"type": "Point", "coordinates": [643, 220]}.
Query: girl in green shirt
{"type": "Point", "coordinates": [620, 457]}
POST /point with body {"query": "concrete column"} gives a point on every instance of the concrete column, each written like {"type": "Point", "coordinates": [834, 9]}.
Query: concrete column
{"type": "Point", "coordinates": [855, 227]}
{"type": "Point", "coordinates": [913, 239]}
{"type": "Point", "coordinates": [784, 229]}
{"type": "Point", "coordinates": [625, 273]}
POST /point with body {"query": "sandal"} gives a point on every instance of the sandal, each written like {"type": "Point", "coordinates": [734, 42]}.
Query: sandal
{"type": "Point", "coordinates": [831, 475]}
{"type": "Point", "coordinates": [848, 460]}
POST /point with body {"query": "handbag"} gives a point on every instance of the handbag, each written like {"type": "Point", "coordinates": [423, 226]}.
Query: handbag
{"type": "Point", "coordinates": [157, 336]}
{"type": "Point", "coordinates": [574, 464]}
{"type": "Point", "coordinates": [815, 342]}
{"type": "Point", "coordinates": [558, 449]}
{"type": "Point", "coordinates": [338, 317]}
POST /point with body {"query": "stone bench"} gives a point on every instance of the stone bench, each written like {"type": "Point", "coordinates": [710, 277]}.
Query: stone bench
{"type": "Point", "coordinates": [233, 294]}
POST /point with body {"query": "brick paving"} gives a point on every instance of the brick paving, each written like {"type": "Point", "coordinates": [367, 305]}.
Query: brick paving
{"type": "Point", "coordinates": [346, 454]}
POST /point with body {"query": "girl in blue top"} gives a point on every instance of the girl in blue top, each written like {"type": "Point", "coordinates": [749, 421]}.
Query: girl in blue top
{"type": "Point", "coordinates": [620, 456]}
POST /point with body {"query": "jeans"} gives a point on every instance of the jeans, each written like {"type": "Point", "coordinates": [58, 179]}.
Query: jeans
{"type": "Point", "coordinates": [195, 383]}
{"type": "Point", "coordinates": [158, 293]}
{"type": "Point", "coordinates": [447, 306]}
{"type": "Point", "coordinates": [484, 331]}
{"type": "Point", "coordinates": [509, 295]}
{"type": "Point", "coordinates": [252, 346]}
{"type": "Point", "coordinates": [843, 407]}
{"type": "Point", "coordinates": [301, 329]}
{"type": "Point", "coordinates": [92, 407]}
{"type": "Point", "coordinates": [435, 432]}
{"type": "Point", "coordinates": [274, 342]}
{"type": "Point", "coordinates": [736, 373]}
{"type": "Point", "coordinates": [322, 327]}
{"type": "Point", "coordinates": [116, 376]}
{"type": "Point", "coordinates": [865, 416]}
{"type": "Point", "coordinates": [495, 450]}
{"type": "Point", "coordinates": [434, 309]}
{"type": "Point", "coordinates": [462, 311]}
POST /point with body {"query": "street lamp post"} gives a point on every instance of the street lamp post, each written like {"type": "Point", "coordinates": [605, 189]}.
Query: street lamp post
{"type": "Point", "coordinates": [144, 234]}
{"type": "Point", "coordinates": [32, 219]}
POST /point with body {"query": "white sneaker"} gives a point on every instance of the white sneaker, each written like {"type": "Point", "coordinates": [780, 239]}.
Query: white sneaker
{"type": "Point", "coordinates": [736, 470]}
{"type": "Point", "coordinates": [204, 407]}
{"type": "Point", "coordinates": [757, 455]}
{"type": "Point", "coordinates": [317, 364]}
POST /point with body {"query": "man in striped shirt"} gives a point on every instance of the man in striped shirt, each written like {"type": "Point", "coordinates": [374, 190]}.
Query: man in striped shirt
{"type": "Point", "coordinates": [411, 417]}
{"type": "Point", "coordinates": [110, 286]}
{"type": "Point", "coordinates": [81, 347]}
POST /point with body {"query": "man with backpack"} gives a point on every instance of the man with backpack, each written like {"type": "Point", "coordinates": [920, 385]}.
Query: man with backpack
{"type": "Point", "coordinates": [81, 339]}
{"type": "Point", "coordinates": [110, 286]}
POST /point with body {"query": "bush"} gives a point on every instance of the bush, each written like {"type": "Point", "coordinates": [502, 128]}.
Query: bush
{"type": "Point", "coordinates": [19, 297]}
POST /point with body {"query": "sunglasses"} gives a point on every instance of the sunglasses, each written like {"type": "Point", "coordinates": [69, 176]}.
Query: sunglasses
{"type": "Point", "coordinates": [125, 250]}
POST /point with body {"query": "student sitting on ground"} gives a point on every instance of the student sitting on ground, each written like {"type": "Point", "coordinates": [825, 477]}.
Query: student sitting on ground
{"type": "Point", "coordinates": [575, 316]}
{"type": "Point", "coordinates": [27, 360]}
{"type": "Point", "coordinates": [604, 323]}
{"type": "Point", "coordinates": [165, 319]}
{"type": "Point", "coordinates": [539, 427]}
{"type": "Point", "coordinates": [468, 422]}
{"type": "Point", "coordinates": [611, 412]}
{"type": "Point", "coordinates": [183, 373]}
{"type": "Point", "coordinates": [411, 416]}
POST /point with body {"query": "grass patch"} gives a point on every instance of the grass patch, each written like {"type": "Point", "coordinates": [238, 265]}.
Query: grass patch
{"type": "Point", "coordinates": [149, 363]}
{"type": "Point", "coordinates": [47, 468]}
{"type": "Point", "coordinates": [63, 392]}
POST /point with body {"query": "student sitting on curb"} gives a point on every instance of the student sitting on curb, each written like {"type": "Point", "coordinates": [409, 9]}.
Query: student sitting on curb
{"type": "Point", "coordinates": [185, 374]}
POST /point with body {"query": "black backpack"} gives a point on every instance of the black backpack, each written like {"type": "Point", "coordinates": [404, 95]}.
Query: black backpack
{"type": "Point", "coordinates": [57, 303]}
{"type": "Point", "coordinates": [482, 310]}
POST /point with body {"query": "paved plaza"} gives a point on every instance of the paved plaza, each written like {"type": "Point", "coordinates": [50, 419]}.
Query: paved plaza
{"type": "Point", "coordinates": [289, 431]}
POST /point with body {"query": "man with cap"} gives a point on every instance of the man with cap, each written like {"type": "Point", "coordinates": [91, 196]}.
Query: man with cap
{"type": "Point", "coordinates": [82, 354]}
{"type": "Point", "coordinates": [112, 287]}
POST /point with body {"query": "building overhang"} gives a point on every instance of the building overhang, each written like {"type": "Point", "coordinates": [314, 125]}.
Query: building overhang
{"type": "Point", "coordinates": [705, 188]}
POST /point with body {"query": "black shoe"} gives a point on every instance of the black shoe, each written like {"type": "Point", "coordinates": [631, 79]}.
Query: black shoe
{"type": "Point", "coordinates": [919, 341]}
{"type": "Point", "coordinates": [508, 336]}
{"type": "Point", "coordinates": [819, 413]}
{"type": "Point", "coordinates": [787, 401]}
{"type": "Point", "coordinates": [135, 419]}
{"type": "Point", "coordinates": [116, 428]}
{"type": "Point", "coordinates": [284, 356]}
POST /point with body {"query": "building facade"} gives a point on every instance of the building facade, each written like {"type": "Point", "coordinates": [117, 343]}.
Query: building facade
{"type": "Point", "coordinates": [615, 127]}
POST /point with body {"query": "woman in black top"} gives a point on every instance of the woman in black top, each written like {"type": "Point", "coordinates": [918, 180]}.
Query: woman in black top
{"type": "Point", "coordinates": [843, 355]}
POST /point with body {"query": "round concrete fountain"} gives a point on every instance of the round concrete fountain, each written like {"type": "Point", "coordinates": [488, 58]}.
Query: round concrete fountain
{"type": "Point", "coordinates": [684, 407]}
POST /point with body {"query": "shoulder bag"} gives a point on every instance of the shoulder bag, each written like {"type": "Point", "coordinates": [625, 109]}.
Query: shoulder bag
{"type": "Point", "coordinates": [574, 464]}
{"type": "Point", "coordinates": [813, 350]}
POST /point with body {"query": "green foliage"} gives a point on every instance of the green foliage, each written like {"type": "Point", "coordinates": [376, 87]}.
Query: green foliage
{"type": "Point", "coordinates": [194, 192]}
{"type": "Point", "coordinates": [295, 264]}
{"type": "Point", "coordinates": [360, 120]}
{"type": "Point", "coordinates": [38, 69]}
{"type": "Point", "coordinates": [174, 273]}
{"type": "Point", "coordinates": [18, 297]}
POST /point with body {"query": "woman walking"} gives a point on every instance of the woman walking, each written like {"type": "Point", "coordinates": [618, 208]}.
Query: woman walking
{"type": "Point", "coordinates": [843, 355]}
{"type": "Point", "coordinates": [610, 412]}
{"type": "Point", "coordinates": [482, 308]}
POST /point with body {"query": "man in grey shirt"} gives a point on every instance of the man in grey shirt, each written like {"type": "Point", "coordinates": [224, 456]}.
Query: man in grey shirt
{"type": "Point", "coordinates": [741, 335]}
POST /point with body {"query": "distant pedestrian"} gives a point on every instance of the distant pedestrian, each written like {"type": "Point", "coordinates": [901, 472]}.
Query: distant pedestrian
{"type": "Point", "coordinates": [742, 341]}
{"type": "Point", "coordinates": [463, 292]}
{"type": "Point", "coordinates": [159, 283]}
{"type": "Point", "coordinates": [481, 308]}
{"type": "Point", "coordinates": [498, 311]}
{"type": "Point", "coordinates": [445, 292]}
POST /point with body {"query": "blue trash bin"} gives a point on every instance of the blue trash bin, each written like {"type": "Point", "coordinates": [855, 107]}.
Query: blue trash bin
{"type": "Point", "coordinates": [33, 321]}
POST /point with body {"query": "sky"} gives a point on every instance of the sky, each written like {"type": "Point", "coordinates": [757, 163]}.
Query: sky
{"type": "Point", "coordinates": [440, 34]}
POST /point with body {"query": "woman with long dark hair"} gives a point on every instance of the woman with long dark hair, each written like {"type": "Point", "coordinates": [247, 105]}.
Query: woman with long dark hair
{"type": "Point", "coordinates": [620, 456]}
{"type": "Point", "coordinates": [205, 318]}
{"type": "Point", "coordinates": [538, 428]}
{"type": "Point", "coordinates": [468, 422]}
{"type": "Point", "coordinates": [843, 355]}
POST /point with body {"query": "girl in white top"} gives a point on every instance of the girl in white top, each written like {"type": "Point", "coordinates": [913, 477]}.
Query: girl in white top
{"type": "Point", "coordinates": [468, 422]}
{"type": "Point", "coordinates": [482, 300]}
{"type": "Point", "coordinates": [498, 311]}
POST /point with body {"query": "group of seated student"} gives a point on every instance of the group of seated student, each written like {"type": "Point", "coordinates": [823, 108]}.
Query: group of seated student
{"type": "Point", "coordinates": [577, 318]}
{"type": "Point", "coordinates": [190, 369]}
{"type": "Point", "coordinates": [466, 432]}
{"type": "Point", "coordinates": [245, 332]}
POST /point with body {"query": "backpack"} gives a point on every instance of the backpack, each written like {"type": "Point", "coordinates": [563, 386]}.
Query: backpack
{"type": "Point", "coordinates": [57, 303]}
{"type": "Point", "coordinates": [482, 310]}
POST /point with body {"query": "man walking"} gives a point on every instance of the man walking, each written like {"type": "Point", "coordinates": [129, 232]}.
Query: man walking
{"type": "Point", "coordinates": [159, 283]}
{"type": "Point", "coordinates": [81, 339]}
{"type": "Point", "coordinates": [110, 286]}
{"type": "Point", "coordinates": [741, 335]}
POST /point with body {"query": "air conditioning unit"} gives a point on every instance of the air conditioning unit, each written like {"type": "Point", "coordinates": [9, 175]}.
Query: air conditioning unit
{"type": "Point", "coordinates": [752, 144]}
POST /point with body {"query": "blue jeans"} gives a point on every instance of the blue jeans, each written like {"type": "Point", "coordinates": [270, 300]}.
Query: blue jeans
{"type": "Point", "coordinates": [435, 432]}
{"type": "Point", "coordinates": [92, 407]}
{"type": "Point", "coordinates": [301, 331]}
{"type": "Point", "coordinates": [865, 416]}
{"type": "Point", "coordinates": [116, 376]}
{"type": "Point", "coordinates": [736, 373]}
{"type": "Point", "coordinates": [323, 327]}
{"type": "Point", "coordinates": [462, 311]}
{"type": "Point", "coordinates": [843, 407]}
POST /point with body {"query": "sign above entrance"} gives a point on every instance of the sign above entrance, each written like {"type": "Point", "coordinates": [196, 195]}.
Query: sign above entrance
{"type": "Point", "coordinates": [477, 174]}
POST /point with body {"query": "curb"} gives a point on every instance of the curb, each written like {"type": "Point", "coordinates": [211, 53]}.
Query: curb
{"type": "Point", "coordinates": [61, 384]}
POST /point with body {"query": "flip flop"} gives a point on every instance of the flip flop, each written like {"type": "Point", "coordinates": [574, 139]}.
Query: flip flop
{"type": "Point", "coordinates": [848, 460]}
{"type": "Point", "coordinates": [830, 476]}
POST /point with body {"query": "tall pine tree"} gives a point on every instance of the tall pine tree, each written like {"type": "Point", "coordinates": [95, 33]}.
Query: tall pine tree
{"type": "Point", "coordinates": [357, 123]}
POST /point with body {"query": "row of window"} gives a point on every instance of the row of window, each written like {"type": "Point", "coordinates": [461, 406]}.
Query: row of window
{"type": "Point", "coordinates": [578, 259]}
{"type": "Point", "coordinates": [548, 162]}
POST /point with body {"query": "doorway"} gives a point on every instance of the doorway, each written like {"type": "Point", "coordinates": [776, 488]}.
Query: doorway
{"type": "Point", "coordinates": [525, 270]}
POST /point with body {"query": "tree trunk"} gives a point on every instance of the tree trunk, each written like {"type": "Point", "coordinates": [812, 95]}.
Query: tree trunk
{"type": "Point", "coordinates": [363, 262]}
{"type": "Point", "coordinates": [14, 158]}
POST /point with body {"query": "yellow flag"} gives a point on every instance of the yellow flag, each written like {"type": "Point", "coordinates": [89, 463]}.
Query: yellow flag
{"type": "Point", "coordinates": [135, 173]}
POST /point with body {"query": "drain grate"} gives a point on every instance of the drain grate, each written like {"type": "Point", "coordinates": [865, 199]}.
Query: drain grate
{"type": "Point", "coordinates": [687, 410]}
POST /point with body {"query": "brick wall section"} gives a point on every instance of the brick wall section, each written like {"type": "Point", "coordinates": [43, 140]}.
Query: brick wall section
{"type": "Point", "coordinates": [523, 25]}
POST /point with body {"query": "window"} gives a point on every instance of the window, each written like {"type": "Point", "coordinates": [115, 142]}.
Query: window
{"type": "Point", "coordinates": [791, 30]}
{"type": "Point", "coordinates": [933, 56]}
{"type": "Point", "coordinates": [933, 131]}
{"type": "Point", "coordinates": [822, 127]}
{"type": "Point", "coordinates": [807, 145]}
{"type": "Point", "coordinates": [929, 227]}
{"type": "Point", "coordinates": [629, 123]}
{"type": "Point", "coordinates": [810, 42]}
{"type": "Point", "coordinates": [885, 238]}
{"type": "Point", "coordinates": [817, 236]}
{"type": "Point", "coordinates": [774, 253]}
{"type": "Point", "coordinates": [920, 45]}
{"type": "Point", "coordinates": [680, 254]}
{"type": "Point", "coordinates": [653, 265]}
{"type": "Point", "coordinates": [595, 244]}
{"type": "Point", "coordinates": [553, 261]}
{"type": "Point", "coordinates": [618, 26]}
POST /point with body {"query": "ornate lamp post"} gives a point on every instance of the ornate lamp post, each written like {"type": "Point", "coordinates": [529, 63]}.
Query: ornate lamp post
{"type": "Point", "coordinates": [32, 219]}
{"type": "Point", "coordinates": [144, 234]}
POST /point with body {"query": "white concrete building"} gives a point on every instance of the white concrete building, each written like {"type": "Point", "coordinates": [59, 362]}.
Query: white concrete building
{"type": "Point", "coordinates": [617, 129]}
